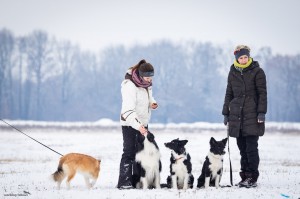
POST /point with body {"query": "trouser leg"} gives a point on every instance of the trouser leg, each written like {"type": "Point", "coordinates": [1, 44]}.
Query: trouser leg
{"type": "Point", "coordinates": [128, 156]}
{"type": "Point", "coordinates": [241, 142]}
{"type": "Point", "coordinates": [252, 154]}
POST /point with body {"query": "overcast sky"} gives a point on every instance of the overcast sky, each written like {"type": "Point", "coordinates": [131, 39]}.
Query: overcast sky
{"type": "Point", "coordinates": [95, 24]}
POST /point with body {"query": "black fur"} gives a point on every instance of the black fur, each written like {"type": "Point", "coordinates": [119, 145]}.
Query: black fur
{"type": "Point", "coordinates": [139, 171]}
{"type": "Point", "coordinates": [178, 146]}
{"type": "Point", "coordinates": [216, 148]}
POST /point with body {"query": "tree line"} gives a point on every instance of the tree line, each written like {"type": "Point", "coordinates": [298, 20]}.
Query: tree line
{"type": "Point", "coordinates": [42, 78]}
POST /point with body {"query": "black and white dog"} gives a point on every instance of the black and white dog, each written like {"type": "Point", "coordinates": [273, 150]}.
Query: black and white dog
{"type": "Point", "coordinates": [213, 165]}
{"type": "Point", "coordinates": [181, 167]}
{"type": "Point", "coordinates": [146, 173]}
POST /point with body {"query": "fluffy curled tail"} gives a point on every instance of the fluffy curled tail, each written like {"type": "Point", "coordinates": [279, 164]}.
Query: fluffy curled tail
{"type": "Point", "coordinates": [58, 175]}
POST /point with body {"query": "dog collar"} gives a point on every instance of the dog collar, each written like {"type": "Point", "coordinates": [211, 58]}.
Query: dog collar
{"type": "Point", "coordinates": [178, 158]}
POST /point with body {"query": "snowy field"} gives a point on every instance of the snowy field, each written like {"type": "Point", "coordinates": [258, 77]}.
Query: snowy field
{"type": "Point", "coordinates": [25, 166]}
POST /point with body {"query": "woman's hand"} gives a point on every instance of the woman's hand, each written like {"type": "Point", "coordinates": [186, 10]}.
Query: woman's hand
{"type": "Point", "coordinates": [143, 130]}
{"type": "Point", "coordinates": [154, 105]}
{"type": "Point", "coordinates": [225, 120]}
{"type": "Point", "coordinates": [261, 118]}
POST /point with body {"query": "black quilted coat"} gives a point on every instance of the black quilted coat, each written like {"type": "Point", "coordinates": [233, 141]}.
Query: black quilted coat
{"type": "Point", "coordinates": [245, 98]}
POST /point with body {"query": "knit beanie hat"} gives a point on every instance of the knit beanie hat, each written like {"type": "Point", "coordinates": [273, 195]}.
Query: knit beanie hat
{"type": "Point", "coordinates": [145, 69]}
{"type": "Point", "coordinates": [241, 50]}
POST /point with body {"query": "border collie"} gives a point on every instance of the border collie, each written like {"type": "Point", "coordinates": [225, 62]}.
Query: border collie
{"type": "Point", "coordinates": [213, 165]}
{"type": "Point", "coordinates": [181, 167]}
{"type": "Point", "coordinates": [147, 163]}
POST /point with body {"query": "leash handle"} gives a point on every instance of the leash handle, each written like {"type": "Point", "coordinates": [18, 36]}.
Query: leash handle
{"type": "Point", "coordinates": [30, 137]}
{"type": "Point", "coordinates": [229, 156]}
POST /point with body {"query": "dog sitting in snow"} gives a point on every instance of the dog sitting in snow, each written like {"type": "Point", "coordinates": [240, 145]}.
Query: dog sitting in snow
{"type": "Point", "coordinates": [146, 173]}
{"type": "Point", "coordinates": [72, 163]}
{"type": "Point", "coordinates": [181, 167]}
{"type": "Point", "coordinates": [213, 165]}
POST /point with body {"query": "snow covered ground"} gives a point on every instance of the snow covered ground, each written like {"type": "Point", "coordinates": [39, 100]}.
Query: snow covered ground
{"type": "Point", "coordinates": [25, 166]}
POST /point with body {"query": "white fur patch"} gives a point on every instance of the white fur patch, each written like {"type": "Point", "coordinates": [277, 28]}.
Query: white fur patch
{"type": "Point", "coordinates": [149, 158]}
{"type": "Point", "coordinates": [180, 170]}
{"type": "Point", "coordinates": [216, 163]}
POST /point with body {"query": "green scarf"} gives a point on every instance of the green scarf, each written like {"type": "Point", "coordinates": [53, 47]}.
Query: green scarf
{"type": "Point", "coordinates": [240, 66]}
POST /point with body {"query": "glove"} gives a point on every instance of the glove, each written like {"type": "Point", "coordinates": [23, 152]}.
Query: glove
{"type": "Point", "coordinates": [261, 117]}
{"type": "Point", "coordinates": [225, 119]}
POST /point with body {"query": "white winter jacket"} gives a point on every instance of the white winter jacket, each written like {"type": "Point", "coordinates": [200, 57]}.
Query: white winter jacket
{"type": "Point", "coordinates": [136, 105]}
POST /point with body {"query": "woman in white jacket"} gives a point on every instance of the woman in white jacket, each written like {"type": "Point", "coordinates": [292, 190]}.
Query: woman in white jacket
{"type": "Point", "coordinates": [137, 102]}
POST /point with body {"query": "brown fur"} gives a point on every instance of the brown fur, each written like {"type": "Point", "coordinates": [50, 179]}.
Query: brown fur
{"type": "Point", "coordinates": [72, 163]}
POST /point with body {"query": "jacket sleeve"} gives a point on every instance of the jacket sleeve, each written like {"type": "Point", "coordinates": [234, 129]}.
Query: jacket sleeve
{"type": "Point", "coordinates": [261, 87]}
{"type": "Point", "coordinates": [128, 112]}
{"type": "Point", "coordinates": [151, 98]}
{"type": "Point", "coordinates": [228, 97]}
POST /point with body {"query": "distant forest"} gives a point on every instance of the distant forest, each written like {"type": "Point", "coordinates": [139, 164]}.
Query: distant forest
{"type": "Point", "coordinates": [44, 79]}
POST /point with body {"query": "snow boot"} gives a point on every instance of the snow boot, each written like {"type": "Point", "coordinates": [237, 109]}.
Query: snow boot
{"type": "Point", "coordinates": [124, 187]}
{"type": "Point", "coordinates": [243, 178]}
{"type": "Point", "coordinates": [125, 177]}
{"type": "Point", "coordinates": [251, 180]}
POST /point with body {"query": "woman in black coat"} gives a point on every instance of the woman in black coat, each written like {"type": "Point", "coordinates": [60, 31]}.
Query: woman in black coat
{"type": "Point", "coordinates": [244, 110]}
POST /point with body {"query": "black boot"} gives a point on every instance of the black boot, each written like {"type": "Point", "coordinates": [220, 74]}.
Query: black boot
{"type": "Point", "coordinates": [125, 177]}
{"type": "Point", "coordinates": [243, 178]}
{"type": "Point", "coordinates": [251, 180]}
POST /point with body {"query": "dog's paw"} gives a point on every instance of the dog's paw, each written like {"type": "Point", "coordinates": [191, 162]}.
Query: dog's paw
{"type": "Point", "coordinates": [202, 187]}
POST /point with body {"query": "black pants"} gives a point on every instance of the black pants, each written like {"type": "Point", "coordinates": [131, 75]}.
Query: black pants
{"type": "Point", "coordinates": [248, 147]}
{"type": "Point", "coordinates": [128, 156]}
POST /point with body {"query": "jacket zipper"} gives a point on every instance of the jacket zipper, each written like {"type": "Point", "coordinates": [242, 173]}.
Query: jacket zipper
{"type": "Point", "coordinates": [148, 100]}
{"type": "Point", "coordinates": [241, 127]}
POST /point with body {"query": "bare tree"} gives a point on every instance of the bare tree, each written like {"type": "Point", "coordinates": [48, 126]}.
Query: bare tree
{"type": "Point", "coordinates": [66, 58]}
{"type": "Point", "coordinates": [21, 46]}
{"type": "Point", "coordinates": [293, 86]}
{"type": "Point", "coordinates": [6, 50]}
{"type": "Point", "coordinates": [38, 57]}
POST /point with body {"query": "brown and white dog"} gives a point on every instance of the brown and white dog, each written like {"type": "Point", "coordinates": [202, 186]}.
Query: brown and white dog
{"type": "Point", "coordinates": [72, 163]}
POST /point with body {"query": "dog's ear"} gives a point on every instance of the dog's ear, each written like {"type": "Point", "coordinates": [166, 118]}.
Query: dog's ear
{"type": "Point", "coordinates": [224, 141]}
{"type": "Point", "coordinates": [150, 136]}
{"type": "Point", "coordinates": [183, 142]}
{"type": "Point", "coordinates": [212, 141]}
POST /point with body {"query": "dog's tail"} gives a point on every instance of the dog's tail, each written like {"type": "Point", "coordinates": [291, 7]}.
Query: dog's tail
{"type": "Point", "coordinates": [58, 175]}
